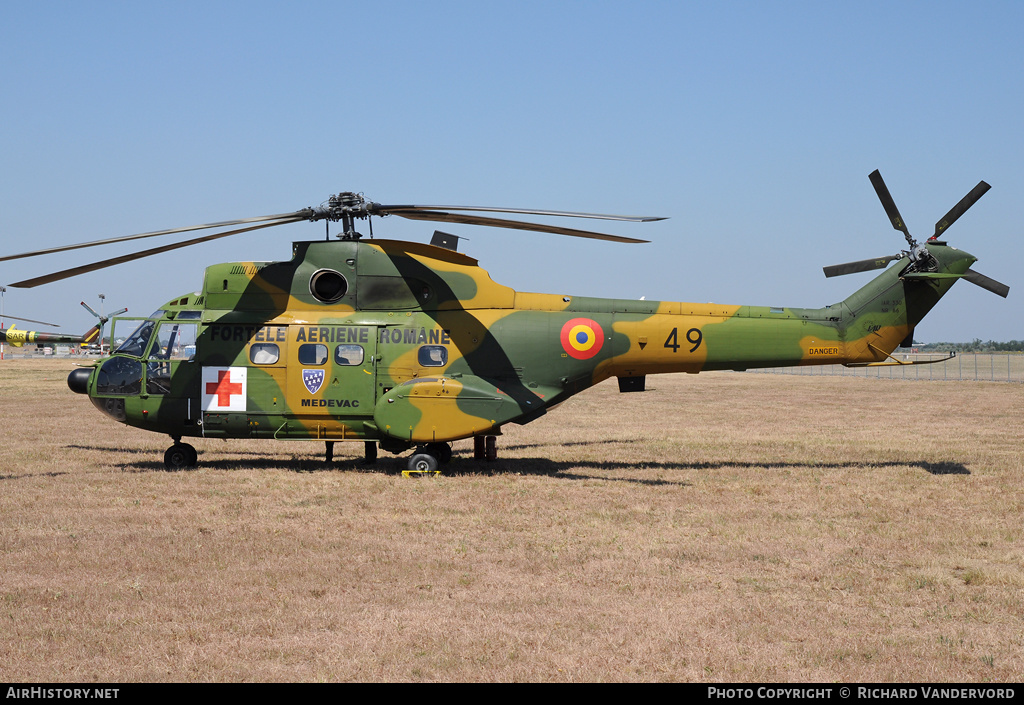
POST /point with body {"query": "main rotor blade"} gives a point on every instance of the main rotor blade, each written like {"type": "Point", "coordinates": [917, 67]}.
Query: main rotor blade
{"type": "Point", "coordinates": [890, 205]}
{"type": "Point", "coordinates": [29, 320]}
{"type": "Point", "coordinates": [863, 265]}
{"type": "Point", "coordinates": [986, 283]}
{"type": "Point", "coordinates": [511, 224]}
{"type": "Point", "coordinates": [960, 208]}
{"type": "Point", "coordinates": [283, 217]}
{"type": "Point", "coordinates": [404, 210]}
{"type": "Point", "coordinates": [75, 271]}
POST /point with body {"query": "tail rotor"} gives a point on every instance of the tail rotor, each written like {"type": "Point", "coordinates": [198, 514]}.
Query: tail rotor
{"type": "Point", "coordinates": [921, 260]}
{"type": "Point", "coordinates": [102, 320]}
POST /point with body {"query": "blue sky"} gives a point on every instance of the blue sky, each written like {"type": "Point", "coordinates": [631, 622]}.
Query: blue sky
{"type": "Point", "coordinates": [752, 125]}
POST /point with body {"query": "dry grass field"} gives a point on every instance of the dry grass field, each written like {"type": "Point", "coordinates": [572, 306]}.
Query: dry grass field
{"type": "Point", "coordinates": [721, 527]}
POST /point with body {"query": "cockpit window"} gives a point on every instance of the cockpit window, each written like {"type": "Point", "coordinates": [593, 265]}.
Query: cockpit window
{"type": "Point", "coordinates": [119, 376]}
{"type": "Point", "coordinates": [175, 341]}
{"type": "Point", "coordinates": [135, 344]}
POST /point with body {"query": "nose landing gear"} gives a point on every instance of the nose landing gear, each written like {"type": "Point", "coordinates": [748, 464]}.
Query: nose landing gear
{"type": "Point", "coordinates": [180, 456]}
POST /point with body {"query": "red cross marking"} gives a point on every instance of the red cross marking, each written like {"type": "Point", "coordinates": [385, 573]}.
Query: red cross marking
{"type": "Point", "coordinates": [224, 388]}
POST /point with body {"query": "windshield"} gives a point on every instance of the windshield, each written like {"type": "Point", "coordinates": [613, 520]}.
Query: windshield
{"type": "Point", "coordinates": [175, 341]}
{"type": "Point", "coordinates": [135, 344]}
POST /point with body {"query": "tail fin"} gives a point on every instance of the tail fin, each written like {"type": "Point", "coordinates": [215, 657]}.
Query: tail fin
{"type": "Point", "coordinates": [881, 315]}
{"type": "Point", "coordinates": [90, 335]}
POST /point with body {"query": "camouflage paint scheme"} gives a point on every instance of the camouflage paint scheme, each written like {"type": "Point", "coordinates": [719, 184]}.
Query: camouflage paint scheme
{"type": "Point", "coordinates": [447, 353]}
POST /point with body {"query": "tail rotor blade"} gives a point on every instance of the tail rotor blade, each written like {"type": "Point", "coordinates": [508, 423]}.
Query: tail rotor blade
{"type": "Point", "coordinates": [890, 205]}
{"type": "Point", "coordinates": [864, 265]}
{"type": "Point", "coordinates": [987, 283]}
{"type": "Point", "coordinates": [90, 309]}
{"type": "Point", "coordinates": [960, 208]}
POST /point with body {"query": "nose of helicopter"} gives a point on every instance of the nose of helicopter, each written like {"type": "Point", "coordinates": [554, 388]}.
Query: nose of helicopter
{"type": "Point", "coordinates": [78, 380]}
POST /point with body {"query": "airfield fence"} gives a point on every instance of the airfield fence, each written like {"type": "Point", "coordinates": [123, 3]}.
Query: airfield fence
{"type": "Point", "coordinates": [966, 366]}
{"type": "Point", "coordinates": [975, 367]}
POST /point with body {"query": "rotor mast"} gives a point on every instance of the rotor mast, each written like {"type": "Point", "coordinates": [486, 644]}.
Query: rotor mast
{"type": "Point", "coordinates": [344, 207]}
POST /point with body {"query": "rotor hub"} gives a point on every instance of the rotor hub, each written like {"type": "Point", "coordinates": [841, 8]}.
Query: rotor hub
{"type": "Point", "coordinates": [345, 207]}
{"type": "Point", "coordinates": [342, 206]}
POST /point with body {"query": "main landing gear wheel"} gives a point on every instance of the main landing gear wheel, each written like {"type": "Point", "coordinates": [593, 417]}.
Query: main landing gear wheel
{"type": "Point", "coordinates": [427, 460]}
{"type": "Point", "coordinates": [421, 464]}
{"type": "Point", "coordinates": [442, 451]}
{"type": "Point", "coordinates": [180, 456]}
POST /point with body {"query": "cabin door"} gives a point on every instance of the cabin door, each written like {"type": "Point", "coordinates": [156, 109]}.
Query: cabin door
{"type": "Point", "coordinates": [332, 370]}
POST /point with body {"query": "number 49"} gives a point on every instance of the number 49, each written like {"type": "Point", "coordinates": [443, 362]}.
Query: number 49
{"type": "Point", "coordinates": [693, 336]}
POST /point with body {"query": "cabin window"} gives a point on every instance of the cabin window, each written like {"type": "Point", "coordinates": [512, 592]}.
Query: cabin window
{"type": "Point", "coordinates": [348, 355]}
{"type": "Point", "coordinates": [433, 355]}
{"type": "Point", "coordinates": [264, 353]}
{"type": "Point", "coordinates": [312, 354]}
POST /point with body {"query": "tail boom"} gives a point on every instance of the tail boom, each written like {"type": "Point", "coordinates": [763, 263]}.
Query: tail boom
{"type": "Point", "coordinates": [18, 338]}
{"type": "Point", "coordinates": [864, 328]}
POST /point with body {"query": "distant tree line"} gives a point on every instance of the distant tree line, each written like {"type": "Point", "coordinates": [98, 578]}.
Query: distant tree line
{"type": "Point", "coordinates": [976, 345]}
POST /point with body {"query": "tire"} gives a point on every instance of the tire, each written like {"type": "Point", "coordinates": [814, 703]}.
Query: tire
{"type": "Point", "coordinates": [423, 463]}
{"type": "Point", "coordinates": [443, 451]}
{"type": "Point", "coordinates": [179, 457]}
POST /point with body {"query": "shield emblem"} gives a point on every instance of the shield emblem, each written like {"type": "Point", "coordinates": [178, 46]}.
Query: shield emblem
{"type": "Point", "coordinates": [313, 379]}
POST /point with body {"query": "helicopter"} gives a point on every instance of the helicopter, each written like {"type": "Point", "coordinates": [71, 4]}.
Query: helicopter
{"type": "Point", "coordinates": [411, 346]}
{"type": "Point", "coordinates": [19, 338]}
{"type": "Point", "coordinates": [13, 329]}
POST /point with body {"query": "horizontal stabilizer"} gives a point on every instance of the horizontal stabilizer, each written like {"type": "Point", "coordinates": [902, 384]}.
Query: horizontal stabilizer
{"type": "Point", "coordinates": [931, 275]}
{"type": "Point", "coordinates": [893, 362]}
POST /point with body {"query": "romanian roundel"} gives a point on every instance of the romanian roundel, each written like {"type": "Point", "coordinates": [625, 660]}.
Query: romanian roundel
{"type": "Point", "coordinates": [582, 338]}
